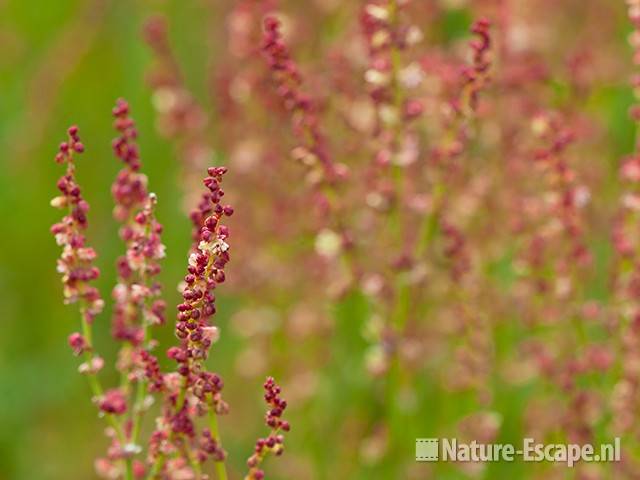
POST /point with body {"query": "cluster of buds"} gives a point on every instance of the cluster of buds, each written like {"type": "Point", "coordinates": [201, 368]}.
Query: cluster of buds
{"type": "Point", "coordinates": [274, 443]}
{"type": "Point", "coordinates": [129, 190]}
{"type": "Point", "coordinates": [113, 401]}
{"type": "Point", "coordinates": [198, 215]}
{"type": "Point", "coordinates": [136, 299]}
{"type": "Point", "coordinates": [124, 146]}
{"type": "Point", "coordinates": [455, 250]}
{"type": "Point", "coordinates": [193, 391]}
{"type": "Point", "coordinates": [464, 105]}
{"type": "Point", "coordinates": [312, 151]}
{"type": "Point", "coordinates": [386, 36]}
{"type": "Point", "coordinates": [563, 206]}
{"type": "Point", "coordinates": [178, 447]}
{"type": "Point", "coordinates": [205, 271]}
{"type": "Point", "coordinates": [77, 271]}
{"type": "Point", "coordinates": [477, 75]}
{"type": "Point", "coordinates": [76, 262]}
{"type": "Point", "coordinates": [210, 447]}
{"type": "Point", "coordinates": [193, 328]}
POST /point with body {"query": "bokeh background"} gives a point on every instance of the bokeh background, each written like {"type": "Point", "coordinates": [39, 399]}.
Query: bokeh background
{"type": "Point", "coordinates": [65, 62]}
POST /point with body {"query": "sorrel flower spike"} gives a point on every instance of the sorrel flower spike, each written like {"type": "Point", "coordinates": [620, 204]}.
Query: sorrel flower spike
{"type": "Point", "coordinates": [274, 443]}
{"type": "Point", "coordinates": [76, 262]}
{"type": "Point", "coordinates": [77, 269]}
{"type": "Point", "coordinates": [193, 392]}
{"type": "Point", "coordinates": [312, 150]}
{"type": "Point", "coordinates": [137, 305]}
{"type": "Point", "coordinates": [205, 271]}
{"type": "Point", "coordinates": [136, 296]}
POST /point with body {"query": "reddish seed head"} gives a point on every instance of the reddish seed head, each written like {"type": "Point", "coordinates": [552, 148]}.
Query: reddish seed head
{"type": "Point", "coordinates": [271, 24]}
{"type": "Point", "coordinates": [78, 343]}
{"type": "Point", "coordinates": [413, 109]}
{"type": "Point", "coordinates": [481, 25]}
{"type": "Point", "coordinates": [114, 402]}
{"type": "Point", "coordinates": [121, 109]}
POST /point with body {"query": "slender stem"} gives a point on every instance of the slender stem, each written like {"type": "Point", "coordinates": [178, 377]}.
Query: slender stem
{"type": "Point", "coordinates": [221, 468]}
{"type": "Point", "coordinates": [129, 469]}
{"type": "Point", "coordinates": [97, 390]}
{"type": "Point", "coordinates": [137, 414]}
{"type": "Point", "coordinates": [156, 467]}
{"type": "Point", "coordinates": [141, 388]}
{"type": "Point", "coordinates": [194, 463]}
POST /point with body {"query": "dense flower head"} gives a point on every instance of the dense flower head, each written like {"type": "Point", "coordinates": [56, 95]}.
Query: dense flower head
{"type": "Point", "coordinates": [210, 447]}
{"type": "Point", "coordinates": [191, 391]}
{"type": "Point", "coordinates": [76, 262]}
{"type": "Point", "coordinates": [78, 343]}
{"type": "Point", "coordinates": [312, 150]}
{"type": "Point", "coordinates": [277, 406]}
{"type": "Point", "coordinates": [274, 443]}
{"type": "Point", "coordinates": [136, 295]}
{"type": "Point", "coordinates": [392, 78]}
{"type": "Point", "coordinates": [455, 250]}
{"type": "Point", "coordinates": [477, 74]}
{"type": "Point", "coordinates": [114, 401]}
{"type": "Point", "coordinates": [129, 190]}
{"type": "Point", "coordinates": [205, 271]}
{"type": "Point", "coordinates": [481, 45]}
{"type": "Point", "coordinates": [124, 146]}
{"type": "Point", "coordinates": [198, 215]}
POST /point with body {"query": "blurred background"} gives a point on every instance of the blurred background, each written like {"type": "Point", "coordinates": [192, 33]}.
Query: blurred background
{"type": "Point", "coordinates": [66, 62]}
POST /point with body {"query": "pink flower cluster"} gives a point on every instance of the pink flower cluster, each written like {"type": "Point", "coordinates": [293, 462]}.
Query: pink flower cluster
{"type": "Point", "coordinates": [76, 262]}
{"type": "Point", "coordinates": [274, 442]}
{"type": "Point", "coordinates": [477, 74]}
{"type": "Point", "coordinates": [313, 151]}
{"type": "Point", "coordinates": [137, 302]}
{"type": "Point", "coordinates": [179, 447]}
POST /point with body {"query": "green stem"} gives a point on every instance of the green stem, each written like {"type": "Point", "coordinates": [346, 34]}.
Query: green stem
{"type": "Point", "coordinates": [141, 388]}
{"type": "Point", "coordinates": [97, 390]}
{"type": "Point", "coordinates": [156, 467]}
{"type": "Point", "coordinates": [221, 468]}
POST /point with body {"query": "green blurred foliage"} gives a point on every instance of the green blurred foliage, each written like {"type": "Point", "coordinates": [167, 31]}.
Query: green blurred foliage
{"type": "Point", "coordinates": [49, 429]}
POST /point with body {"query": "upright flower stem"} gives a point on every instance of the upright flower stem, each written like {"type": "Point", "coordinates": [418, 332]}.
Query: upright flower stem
{"type": "Point", "coordinates": [221, 468]}
{"type": "Point", "coordinates": [98, 391]}
{"type": "Point", "coordinates": [141, 388]}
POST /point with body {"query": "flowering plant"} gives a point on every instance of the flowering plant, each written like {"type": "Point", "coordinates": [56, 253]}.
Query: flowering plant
{"type": "Point", "coordinates": [178, 447]}
{"type": "Point", "coordinates": [422, 241]}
